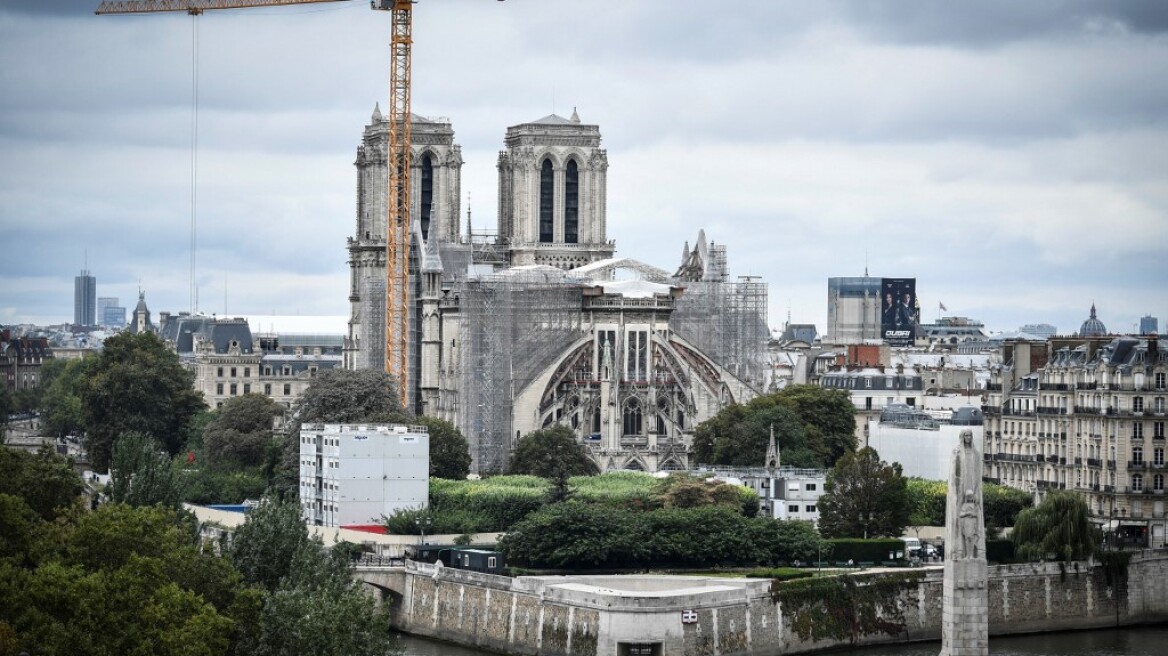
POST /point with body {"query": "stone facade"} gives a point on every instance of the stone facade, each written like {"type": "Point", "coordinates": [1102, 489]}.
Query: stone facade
{"type": "Point", "coordinates": [1085, 414]}
{"type": "Point", "coordinates": [553, 178]}
{"type": "Point", "coordinates": [435, 187]}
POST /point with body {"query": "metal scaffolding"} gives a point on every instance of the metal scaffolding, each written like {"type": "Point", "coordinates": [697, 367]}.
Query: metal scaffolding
{"type": "Point", "coordinates": [728, 322]}
{"type": "Point", "coordinates": [513, 326]}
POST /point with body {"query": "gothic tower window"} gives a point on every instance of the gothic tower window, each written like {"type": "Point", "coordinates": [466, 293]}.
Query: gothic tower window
{"type": "Point", "coordinates": [572, 203]}
{"type": "Point", "coordinates": [547, 179]}
{"type": "Point", "coordinates": [427, 199]}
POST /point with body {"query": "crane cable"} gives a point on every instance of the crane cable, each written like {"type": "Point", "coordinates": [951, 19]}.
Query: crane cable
{"type": "Point", "coordinates": [194, 294]}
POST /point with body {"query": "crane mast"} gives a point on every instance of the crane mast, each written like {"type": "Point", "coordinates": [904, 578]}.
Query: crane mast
{"type": "Point", "coordinates": [397, 225]}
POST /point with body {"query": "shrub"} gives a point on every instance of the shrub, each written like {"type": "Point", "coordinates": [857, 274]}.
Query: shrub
{"type": "Point", "coordinates": [864, 551]}
{"type": "Point", "coordinates": [779, 573]}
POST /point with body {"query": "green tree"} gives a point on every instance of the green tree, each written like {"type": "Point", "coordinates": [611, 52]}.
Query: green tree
{"type": "Point", "coordinates": [60, 404]}
{"type": "Point", "coordinates": [319, 608]}
{"type": "Point", "coordinates": [17, 523]}
{"type": "Point", "coordinates": [1059, 528]}
{"type": "Point", "coordinates": [926, 502]}
{"type": "Point", "coordinates": [864, 497]}
{"type": "Point", "coordinates": [264, 548]}
{"type": "Point", "coordinates": [555, 454]}
{"type": "Point", "coordinates": [1002, 505]}
{"type": "Point", "coordinates": [813, 426]}
{"type": "Point", "coordinates": [449, 450]}
{"type": "Point", "coordinates": [137, 385]}
{"type": "Point", "coordinates": [141, 473]}
{"type": "Point", "coordinates": [45, 480]}
{"type": "Point", "coordinates": [239, 435]}
{"type": "Point", "coordinates": [828, 417]}
{"type": "Point", "coordinates": [347, 396]}
{"type": "Point", "coordinates": [577, 536]}
{"type": "Point", "coordinates": [123, 580]}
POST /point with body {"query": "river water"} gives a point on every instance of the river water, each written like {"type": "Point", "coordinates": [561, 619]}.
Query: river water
{"type": "Point", "coordinates": [1141, 641]}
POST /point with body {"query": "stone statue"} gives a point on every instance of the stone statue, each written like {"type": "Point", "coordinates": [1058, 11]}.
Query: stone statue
{"type": "Point", "coordinates": [970, 519]}
{"type": "Point", "coordinates": [965, 607]}
{"type": "Point", "coordinates": [964, 516]}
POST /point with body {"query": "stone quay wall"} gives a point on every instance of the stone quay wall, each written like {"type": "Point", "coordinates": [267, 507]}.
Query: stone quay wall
{"type": "Point", "coordinates": [686, 616]}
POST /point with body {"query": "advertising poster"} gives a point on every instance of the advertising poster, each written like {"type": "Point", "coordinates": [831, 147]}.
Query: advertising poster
{"type": "Point", "coordinates": [898, 311]}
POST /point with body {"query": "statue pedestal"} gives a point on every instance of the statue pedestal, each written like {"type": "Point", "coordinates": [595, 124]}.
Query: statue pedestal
{"type": "Point", "coordinates": [965, 615]}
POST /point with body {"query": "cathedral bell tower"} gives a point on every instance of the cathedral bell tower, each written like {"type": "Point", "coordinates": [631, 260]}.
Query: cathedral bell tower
{"type": "Point", "coordinates": [435, 170]}
{"type": "Point", "coordinates": [552, 193]}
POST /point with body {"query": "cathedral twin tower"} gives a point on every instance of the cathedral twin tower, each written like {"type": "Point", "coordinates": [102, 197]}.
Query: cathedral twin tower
{"type": "Point", "coordinates": [552, 206]}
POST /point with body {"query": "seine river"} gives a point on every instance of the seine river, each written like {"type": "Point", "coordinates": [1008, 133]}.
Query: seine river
{"type": "Point", "coordinates": [1142, 641]}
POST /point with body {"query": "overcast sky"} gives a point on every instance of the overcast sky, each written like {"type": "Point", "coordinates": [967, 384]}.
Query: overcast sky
{"type": "Point", "coordinates": [1011, 156]}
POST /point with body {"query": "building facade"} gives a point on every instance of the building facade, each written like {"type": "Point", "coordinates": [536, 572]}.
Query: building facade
{"type": "Point", "coordinates": [853, 309]}
{"type": "Point", "coordinates": [84, 299]}
{"type": "Point", "coordinates": [1085, 414]}
{"type": "Point", "coordinates": [229, 360]}
{"type": "Point", "coordinates": [21, 360]}
{"type": "Point", "coordinates": [356, 474]}
{"type": "Point", "coordinates": [109, 313]}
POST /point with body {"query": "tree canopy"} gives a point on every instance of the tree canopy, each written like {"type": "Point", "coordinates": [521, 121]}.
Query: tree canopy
{"type": "Point", "coordinates": [265, 546]}
{"type": "Point", "coordinates": [1002, 503]}
{"type": "Point", "coordinates": [865, 497]}
{"type": "Point", "coordinates": [449, 450]}
{"type": "Point", "coordinates": [239, 434]}
{"type": "Point", "coordinates": [346, 396]}
{"type": "Point", "coordinates": [62, 382]}
{"type": "Point", "coordinates": [1058, 528]}
{"type": "Point", "coordinates": [121, 580]}
{"type": "Point", "coordinates": [555, 454]}
{"type": "Point", "coordinates": [141, 473]}
{"type": "Point", "coordinates": [813, 427]}
{"type": "Point", "coordinates": [136, 385]}
{"type": "Point", "coordinates": [137, 581]}
{"type": "Point", "coordinates": [45, 480]}
{"type": "Point", "coordinates": [579, 535]}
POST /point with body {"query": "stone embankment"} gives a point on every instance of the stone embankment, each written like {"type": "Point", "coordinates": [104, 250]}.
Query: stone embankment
{"type": "Point", "coordinates": [692, 616]}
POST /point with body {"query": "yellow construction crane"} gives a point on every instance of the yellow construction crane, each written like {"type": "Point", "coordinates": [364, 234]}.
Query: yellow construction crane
{"type": "Point", "coordinates": [397, 227]}
{"type": "Point", "coordinates": [397, 239]}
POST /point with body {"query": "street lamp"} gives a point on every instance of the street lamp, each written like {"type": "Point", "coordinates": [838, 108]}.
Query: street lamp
{"type": "Point", "coordinates": [423, 523]}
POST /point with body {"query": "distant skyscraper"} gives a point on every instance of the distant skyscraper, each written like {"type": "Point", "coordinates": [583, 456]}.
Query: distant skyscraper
{"type": "Point", "coordinates": [113, 316]}
{"type": "Point", "coordinates": [1043, 330]}
{"type": "Point", "coordinates": [104, 303]}
{"type": "Point", "coordinates": [1149, 325]}
{"type": "Point", "coordinates": [85, 299]}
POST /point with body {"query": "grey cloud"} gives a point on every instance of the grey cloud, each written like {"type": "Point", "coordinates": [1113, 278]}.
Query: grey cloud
{"type": "Point", "coordinates": [991, 23]}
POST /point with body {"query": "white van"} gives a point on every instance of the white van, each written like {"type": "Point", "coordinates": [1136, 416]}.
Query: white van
{"type": "Point", "coordinates": [912, 547]}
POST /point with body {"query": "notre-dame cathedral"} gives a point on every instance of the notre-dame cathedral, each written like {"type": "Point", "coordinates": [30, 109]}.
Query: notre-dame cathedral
{"type": "Point", "coordinates": [537, 322]}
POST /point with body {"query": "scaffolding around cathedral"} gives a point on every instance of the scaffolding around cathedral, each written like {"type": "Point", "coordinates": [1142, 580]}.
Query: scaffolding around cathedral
{"type": "Point", "coordinates": [512, 326]}
{"type": "Point", "coordinates": [727, 320]}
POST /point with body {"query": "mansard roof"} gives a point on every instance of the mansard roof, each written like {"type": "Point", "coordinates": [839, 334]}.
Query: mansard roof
{"type": "Point", "coordinates": [182, 329]}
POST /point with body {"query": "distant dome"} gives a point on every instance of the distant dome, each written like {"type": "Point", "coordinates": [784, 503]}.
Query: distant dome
{"type": "Point", "coordinates": [1092, 327]}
